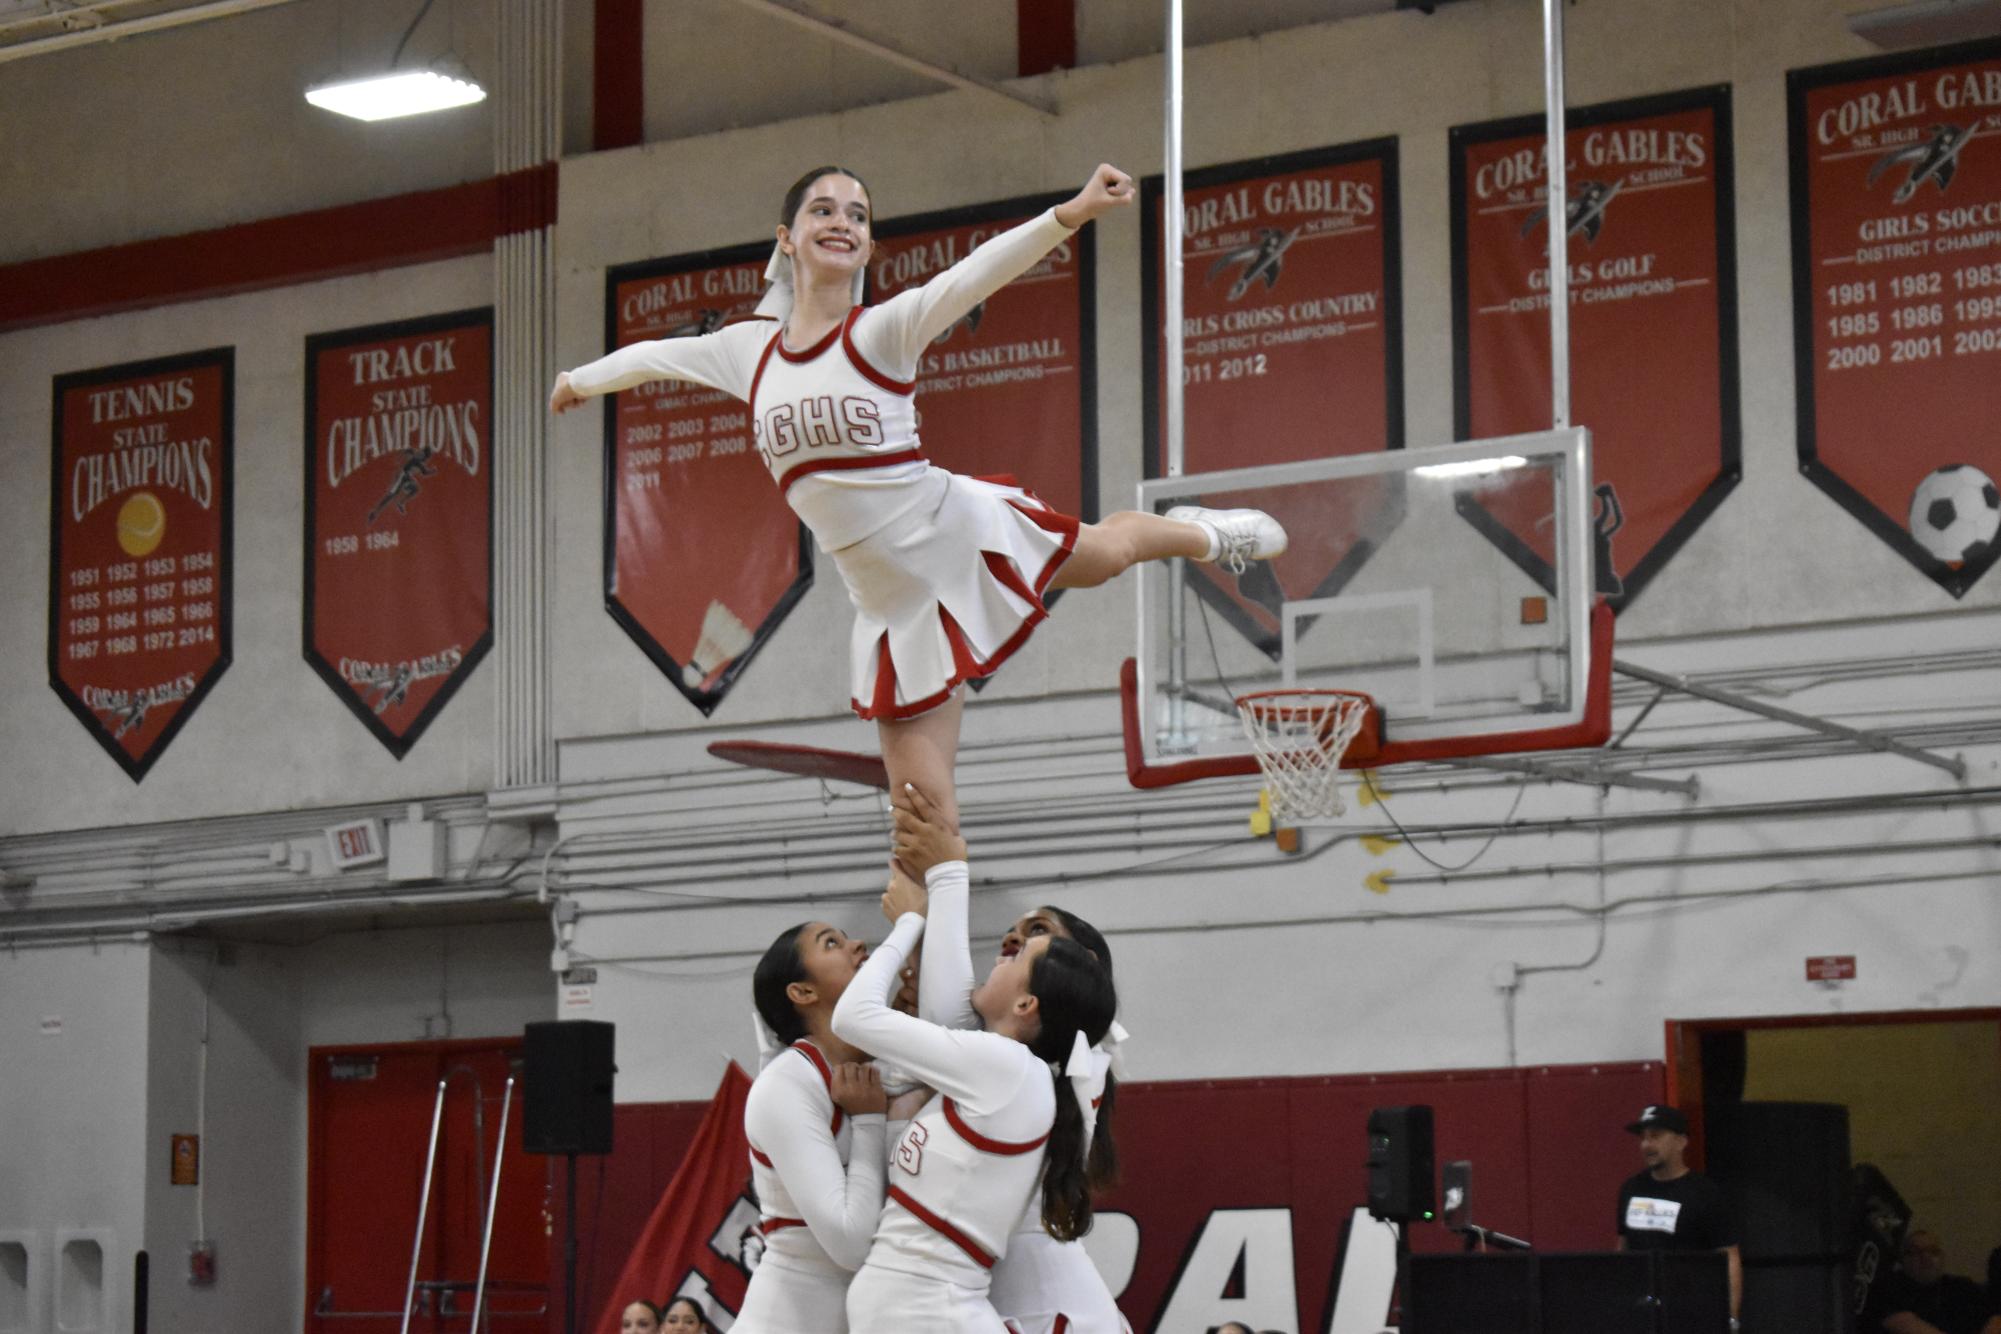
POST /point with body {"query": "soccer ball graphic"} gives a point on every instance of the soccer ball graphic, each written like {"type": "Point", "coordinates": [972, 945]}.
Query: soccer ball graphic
{"type": "Point", "coordinates": [1955, 513]}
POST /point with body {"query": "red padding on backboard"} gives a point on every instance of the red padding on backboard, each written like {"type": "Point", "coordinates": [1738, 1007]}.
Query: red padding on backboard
{"type": "Point", "coordinates": [842, 766]}
{"type": "Point", "coordinates": [1593, 729]}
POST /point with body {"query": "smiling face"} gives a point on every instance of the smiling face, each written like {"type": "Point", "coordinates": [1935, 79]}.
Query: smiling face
{"type": "Point", "coordinates": [638, 1319]}
{"type": "Point", "coordinates": [681, 1318]}
{"type": "Point", "coordinates": [1005, 992]}
{"type": "Point", "coordinates": [828, 237]}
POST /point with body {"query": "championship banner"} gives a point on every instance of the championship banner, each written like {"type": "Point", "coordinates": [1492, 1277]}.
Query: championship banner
{"type": "Point", "coordinates": [399, 516]}
{"type": "Point", "coordinates": [139, 546]}
{"type": "Point", "coordinates": [1012, 387]}
{"type": "Point", "coordinates": [1896, 213]}
{"type": "Point", "coordinates": [1653, 322]}
{"type": "Point", "coordinates": [1292, 341]}
{"type": "Point", "coordinates": [703, 558]}
{"type": "Point", "coordinates": [702, 1239]}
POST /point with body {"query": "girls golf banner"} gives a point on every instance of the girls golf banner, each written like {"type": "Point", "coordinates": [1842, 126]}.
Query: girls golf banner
{"type": "Point", "coordinates": [1896, 213]}
{"type": "Point", "coordinates": [399, 516]}
{"type": "Point", "coordinates": [1653, 321]}
{"type": "Point", "coordinates": [1292, 340]}
{"type": "Point", "coordinates": [703, 558]}
{"type": "Point", "coordinates": [139, 547]}
{"type": "Point", "coordinates": [1011, 388]}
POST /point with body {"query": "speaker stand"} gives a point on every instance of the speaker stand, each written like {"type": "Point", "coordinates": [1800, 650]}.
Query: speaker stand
{"type": "Point", "coordinates": [570, 1249]}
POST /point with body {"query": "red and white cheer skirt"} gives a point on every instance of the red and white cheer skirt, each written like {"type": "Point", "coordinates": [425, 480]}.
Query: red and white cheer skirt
{"type": "Point", "coordinates": [944, 594]}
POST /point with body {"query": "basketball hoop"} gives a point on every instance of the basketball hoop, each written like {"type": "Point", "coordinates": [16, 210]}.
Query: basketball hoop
{"type": "Point", "coordinates": [1299, 737]}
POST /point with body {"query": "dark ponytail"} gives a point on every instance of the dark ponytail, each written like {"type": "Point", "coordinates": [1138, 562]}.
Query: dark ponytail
{"type": "Point", "coordinates": [1103, 1167]}
{"type": "Point", "coordinates": [778, 969]}
{"type": "Point", "coordinates": [1074, 994]}
{"type": "Point", "coordinates": [797, 194]}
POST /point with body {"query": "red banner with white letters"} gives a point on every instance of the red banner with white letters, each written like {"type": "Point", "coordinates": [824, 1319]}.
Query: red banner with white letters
{"type": "Point", "coordinates": [1653, 322]}
{"type": "Point", "coordinates": [399, 516]}
{"type": "Point", "coordinates": [1010, 389]}
{"type": "Point", "coordinates": [1896, 213]}
{"type": "Point", "coordinates": [139, 547]}
{"type": "Point", "coordinates": [703, 558]}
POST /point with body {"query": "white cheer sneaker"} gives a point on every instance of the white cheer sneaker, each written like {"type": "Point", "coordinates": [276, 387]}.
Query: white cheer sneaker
{"type": "Point", "coordinates": [1236, 537]}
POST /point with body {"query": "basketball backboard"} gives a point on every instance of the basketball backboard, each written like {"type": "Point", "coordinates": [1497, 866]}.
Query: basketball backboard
{"type": "Point", "coordinates": [1398, 581]}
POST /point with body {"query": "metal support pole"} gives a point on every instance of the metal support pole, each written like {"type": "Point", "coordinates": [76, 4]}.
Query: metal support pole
{"type": "Point", "coordinates": [1559, 217]}
{"type": "Point", "coordinates": [1173, 226]}
{"type": "Point", "coordinates": [1587, 774]}
{"type": "Point", "coordinates": [492, 1206]}
{"type": "Point", "coordinates": [423, 1207]}
{"type": "Point", "coordinates": [1869, 740]}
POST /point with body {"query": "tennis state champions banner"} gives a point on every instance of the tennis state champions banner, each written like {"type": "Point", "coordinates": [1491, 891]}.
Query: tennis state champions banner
{"type": "Point", "coordinates": [703, 558]}
{"type": "Point", "coordinates": [1011, 388]}
{"type": "Point", "coordinates": [139, 547]}
{"type": "Point", "coordinates": [1292, 339]}
{"type": "Point", "coordinates": [1896, 214]}
{"type": "Point", "coordinates": [399, 516]}
{"type": "Point", "coordinates": [1653, 321]}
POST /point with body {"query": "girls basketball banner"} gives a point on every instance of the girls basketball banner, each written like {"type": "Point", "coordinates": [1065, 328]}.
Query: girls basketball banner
{"type": "Point", "coordinates": [139, 547]}
{"type": "Point", "coordinates": [1292, 345]}
{"type": "Point", "coordinates": [1653, 321]}
{"type": "Point", "coordinates": [1896, 213]}
{"type": "Point", "coordinates": [399, 516]}
{"type": "Point", "coordinates": [703, 558]}
{"type": "Point", "coordinates": [1012, 387]}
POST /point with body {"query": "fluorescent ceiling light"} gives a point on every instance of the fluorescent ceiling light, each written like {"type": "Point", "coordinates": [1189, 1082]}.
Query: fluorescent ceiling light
{"type": "Point", "coordinates": [1927, 22]}
{"type": "Point", "coordinates": [389, 95]}
{"type": "Point", "coordinates": [1472, 467]}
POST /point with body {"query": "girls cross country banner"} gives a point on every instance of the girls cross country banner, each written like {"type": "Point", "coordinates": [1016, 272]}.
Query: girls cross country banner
{"type": "Point", "coordinates": [1012, 387]}
{"type": "Point", "coordinates": [1292, 338]}
{"type": "Point", "coordinates": [703, 558]}
{"type": "Point", "coordinates": [1896, 214]}
{"type": "Point", "coordinates": [1653, 321]}
{"type": "Point", "coordinates": [399, 516]}
{"type": "Point", "coordinates": [139, 547]}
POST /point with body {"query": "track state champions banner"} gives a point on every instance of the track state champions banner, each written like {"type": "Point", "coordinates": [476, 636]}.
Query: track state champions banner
{"type": "Point", "coordinates": [139, 547]}
{"type": "Point", "coordinates": [703, 558]}
{"type": "Point", "coordinates": [1011, 389]}
{"type": "Point", "coordinates": [1292, 339]}
{"type": "Point", "coordinates": [1653, 322]}
{"type": "Point", "coordinates": [1896, 214]}
{"type": "Point", "coordinates": [399, 516]}
{"type": "Point", "coordinates": [701, 1240]}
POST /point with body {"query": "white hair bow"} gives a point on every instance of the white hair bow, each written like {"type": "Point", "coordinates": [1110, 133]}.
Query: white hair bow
{"type": "Point", "coordinates": [777, 300]}
{"type": "Point", "coordinates": [769, 1048]}
{"type": "Point", "coordinates": [1115, 1036]}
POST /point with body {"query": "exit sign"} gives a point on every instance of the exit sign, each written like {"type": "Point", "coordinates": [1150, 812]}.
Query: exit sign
{"type": "Point", "coordinates": [1831, 968]}
{"type": "Point", "coordinates": [357, 844]}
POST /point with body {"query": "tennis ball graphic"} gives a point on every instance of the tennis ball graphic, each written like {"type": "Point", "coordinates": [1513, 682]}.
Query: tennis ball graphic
{"type": "Point", "coordinates": [142, 522]}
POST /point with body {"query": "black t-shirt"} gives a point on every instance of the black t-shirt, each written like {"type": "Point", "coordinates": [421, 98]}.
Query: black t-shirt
{"type": "Point", "coordinates": [1953, 1304]}
{"type": "Point", "coordinates": [1685, 1214]}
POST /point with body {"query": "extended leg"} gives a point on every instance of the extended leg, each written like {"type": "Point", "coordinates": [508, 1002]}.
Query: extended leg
{"type": "Point", "coordinates": [1116, 543]}
{"type": "Point", "coordinates": [922, 751]}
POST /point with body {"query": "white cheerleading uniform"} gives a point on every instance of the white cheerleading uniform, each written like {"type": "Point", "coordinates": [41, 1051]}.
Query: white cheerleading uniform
{"type": "Point", "coordinates": [818, 1174]}
{"type": "Point", "coordinates": [946, 573]}
{"type": "Point", "coordinates": [964, 1170]}
{"type": "Point", "coordinates": [1041, 1285]}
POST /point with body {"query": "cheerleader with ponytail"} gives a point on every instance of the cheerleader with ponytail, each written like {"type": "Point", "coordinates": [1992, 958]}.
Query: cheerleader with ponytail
{"type": "Point", "coordinates": [1046, 1283]}
{"type": "Point", "coordinates": [1007, 1105]}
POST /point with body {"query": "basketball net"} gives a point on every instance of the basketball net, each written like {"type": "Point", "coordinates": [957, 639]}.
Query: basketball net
{"type": "Point", "coordinates": [1299, 737]}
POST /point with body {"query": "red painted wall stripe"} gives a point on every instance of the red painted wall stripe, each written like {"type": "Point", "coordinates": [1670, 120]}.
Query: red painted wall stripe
{"type": "Point", "coordinates": [278, 252]}
{"type": "Point", "coordinates": [1045, 35]}
{"type": "Point", "coordinates": [618, 75]}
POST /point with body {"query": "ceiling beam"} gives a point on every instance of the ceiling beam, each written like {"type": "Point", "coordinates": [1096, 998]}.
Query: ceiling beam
{"type": "Point", "coordinates": [112, 29]}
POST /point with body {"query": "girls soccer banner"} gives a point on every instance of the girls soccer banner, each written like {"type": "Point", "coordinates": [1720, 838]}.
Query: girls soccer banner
{"type": "Point", "coordinates": [1012, 387]}
{"type": "Point", "coordinates": [1896, 213]}
{"type": "Point", "coordinates": [703, 558]}
{"type": "Point", "coordinates": [399, 516]}
{"type": "Point", "coordinates": [1653, 321]}
{"type": "Point", "coordinates": [1292, 339]}
{"type": "Point", "coordinates": [139, 547]}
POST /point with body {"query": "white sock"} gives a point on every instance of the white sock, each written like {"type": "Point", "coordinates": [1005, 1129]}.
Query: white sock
{"type": "Point", "coordinates": [1215, 536]}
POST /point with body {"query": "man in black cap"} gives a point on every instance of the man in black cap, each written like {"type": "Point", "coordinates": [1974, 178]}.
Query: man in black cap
{"type": "Point", "coordinates": [1668, 1207]}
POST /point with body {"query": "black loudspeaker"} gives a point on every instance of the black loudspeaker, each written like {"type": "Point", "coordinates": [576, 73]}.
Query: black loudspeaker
{"type": "Point", "coordinates": [1400, 1164]}
{"type": "Point", "coordinates": [1628, 1292]}
{"type": "Point", "coordinates": [1612, 1293]}
{"type": "Point", "coordinates": [1784, 1166]}
{"type": "Point", "coordinates": [1782, 1298]}
{"type": "Point", "coordinates": [566, 1098]}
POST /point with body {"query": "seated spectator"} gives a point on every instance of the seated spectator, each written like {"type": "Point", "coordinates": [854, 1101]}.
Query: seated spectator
{"type": "Point", "coordinates": [1921, 1298]}
{"type": "Point", "coordinates": [684, 1315]}
{"type": "Point", "coordinates": [639, 1318]}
